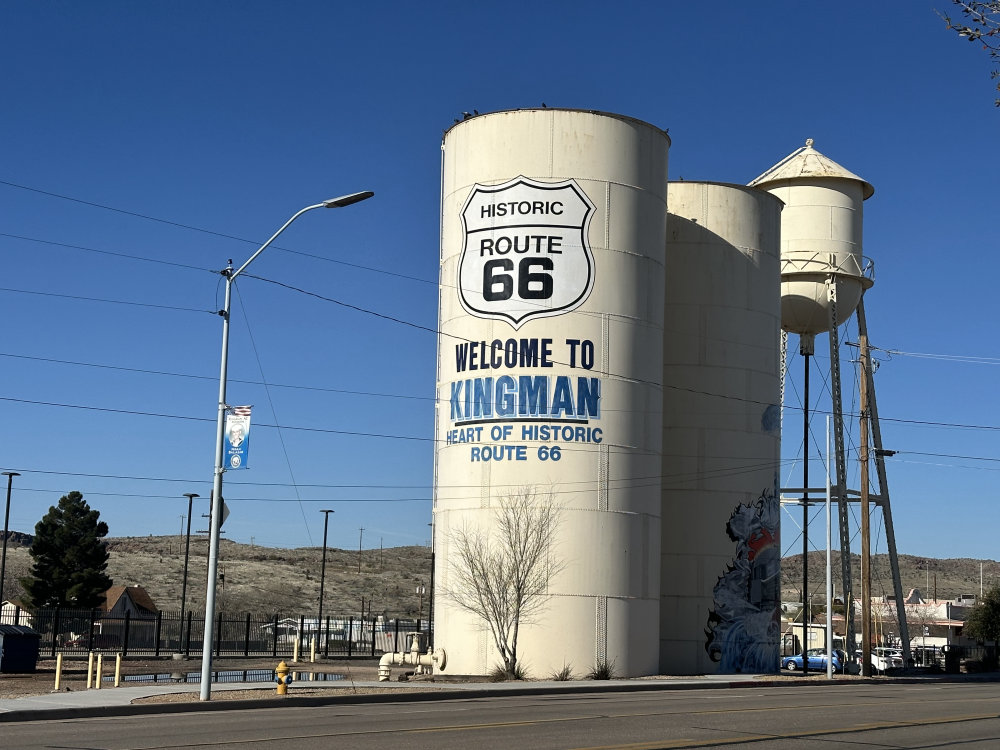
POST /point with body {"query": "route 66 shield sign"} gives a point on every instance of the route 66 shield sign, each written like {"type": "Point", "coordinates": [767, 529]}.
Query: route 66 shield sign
{"type": "Point", "coordinates": [526, 251]}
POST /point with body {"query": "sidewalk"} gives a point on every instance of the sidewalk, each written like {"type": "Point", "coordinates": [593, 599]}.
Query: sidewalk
{"type": "Point", "coordinates": [111, 701]}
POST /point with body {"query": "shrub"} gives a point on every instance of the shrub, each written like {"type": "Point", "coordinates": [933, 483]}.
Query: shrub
{"type": "Point", "coordinates": [602, 670]}
{"type": "Point", "coordinates": [563, 675]}
{"type": "Point", "coordinates": [499, 673]}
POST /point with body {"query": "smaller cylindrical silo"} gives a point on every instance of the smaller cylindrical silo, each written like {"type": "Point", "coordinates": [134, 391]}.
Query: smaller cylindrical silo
{"type": "Point", "coordinates": [820, 238]}
{"type": "Point", "coordinates": [720, 582]}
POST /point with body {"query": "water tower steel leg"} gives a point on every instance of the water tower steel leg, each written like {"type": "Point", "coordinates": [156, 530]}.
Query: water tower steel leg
{"type": "Point", "coordinates": [843, 510]}
{"type": "Point", "coordinates": [783, 374]}
{"type": "Point", "coordinates": [806, 347]}
{"type": "Point", "coordinates": [904, 633]}
{"type": "Point", "coordinates": [866, 567]}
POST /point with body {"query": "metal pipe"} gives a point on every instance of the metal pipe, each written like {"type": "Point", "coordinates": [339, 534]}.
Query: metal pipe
{"type": "Point", "coordinates": [412, 657]}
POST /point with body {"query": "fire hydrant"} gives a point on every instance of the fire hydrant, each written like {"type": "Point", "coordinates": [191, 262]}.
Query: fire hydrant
{"type": "Point", "coordinates": [284, 679]}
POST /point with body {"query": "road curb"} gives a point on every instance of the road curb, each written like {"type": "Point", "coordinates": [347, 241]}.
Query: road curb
{"type": "Point", "coordinates": [438, 694]}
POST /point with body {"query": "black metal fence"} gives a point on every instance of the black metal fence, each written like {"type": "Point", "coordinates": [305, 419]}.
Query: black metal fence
{"type": "Point", "coordinates": [81, 631]}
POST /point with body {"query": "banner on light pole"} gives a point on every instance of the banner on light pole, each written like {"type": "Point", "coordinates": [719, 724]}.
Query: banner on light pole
{"type": "Point", "coordinates": [237, 437]}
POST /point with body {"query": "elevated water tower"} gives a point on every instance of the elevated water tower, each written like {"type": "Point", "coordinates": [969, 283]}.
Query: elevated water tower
{"type": "Point", "coordinates": [823, 271]}
{"type": "Point", "coordinates": [824, 276]}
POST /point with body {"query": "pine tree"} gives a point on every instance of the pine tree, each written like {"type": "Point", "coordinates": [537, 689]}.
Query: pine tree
{"type": "Point", "coordinates": [69, 557]}
{"type": "Point", "coordinates": [983, 622]}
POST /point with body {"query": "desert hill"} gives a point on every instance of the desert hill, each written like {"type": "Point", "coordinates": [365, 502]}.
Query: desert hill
{"type": "Point", "coordinates": [272, 580]}
{"type": "Point", "coordinates": [935, 578]}
{"type": "Point", "coordinates": [260, 579]}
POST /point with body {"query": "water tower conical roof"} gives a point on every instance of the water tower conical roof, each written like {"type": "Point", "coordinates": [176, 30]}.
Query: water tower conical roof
{"type": "Point", "coordinates": [808, 162]}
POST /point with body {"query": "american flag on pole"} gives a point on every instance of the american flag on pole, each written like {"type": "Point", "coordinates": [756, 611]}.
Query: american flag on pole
{"type": "Point", "coordinates": [237, 437]}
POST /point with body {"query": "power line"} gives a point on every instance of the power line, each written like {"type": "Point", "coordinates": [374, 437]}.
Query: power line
{"type": "Point", "coordinates": [133, 412]}
{"type": "Point", "coordinates": [587, 484]}
{"type": "Point", "coordinates": [948, 455]}
{"type": "Point", "coordinates": [108, 252]}
{"type": "Point", "coordinates": [303, 291]}
{"type": "Point", "coordinates": [274, 413]}
{"type": "Point", "coordinates": [961, 358]}
{"type": "Point", "coordinates": [353, 307]}
{"type": "Point", "coordinates": [192, 228]}
{"type": "Point", "coordinates": [898, 420]}
{"type": "Point", "coordinates": [228, 482]}
{"type": "Point", "coordinates": [108, 301]}
{"type": "Point", "coordinates": [986, 360]}
{"type": "Point", "coordinates": [243, 499]}
{"type": "Point", "coordinates": [213, 378]}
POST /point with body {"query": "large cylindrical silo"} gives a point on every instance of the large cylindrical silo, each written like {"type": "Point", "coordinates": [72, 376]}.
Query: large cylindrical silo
{"type": "Point", "coordinates": [821, 231]}
{"type": "Point", "coordinates": [549, 375]}
{"type": "Point", "coordinates": [720, 608]}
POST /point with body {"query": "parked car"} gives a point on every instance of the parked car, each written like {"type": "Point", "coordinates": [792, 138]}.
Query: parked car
{"type": "Point", "coordinates": [817, 660]}
{"type": "Point", "coordinates": [883, 658]}
{"type": "Point", "coordinates": [102, 642]}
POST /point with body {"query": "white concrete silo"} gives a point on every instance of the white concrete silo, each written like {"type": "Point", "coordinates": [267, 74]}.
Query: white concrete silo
{"type": "Point", "coordinates": [720, 569]}
{"type": "Point", "coordinates": [549, 371]}
{"type": "Point", "coordinates": [821, 238]}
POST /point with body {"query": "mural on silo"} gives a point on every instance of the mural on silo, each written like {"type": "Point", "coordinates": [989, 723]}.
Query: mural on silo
{"type": "Point", "coordinates": [744, 627]}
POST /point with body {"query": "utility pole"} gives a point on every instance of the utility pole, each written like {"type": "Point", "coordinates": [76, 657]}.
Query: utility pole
{"type": "Point", "coordinates": [6, 519]}
{"type": "Point", "coordinates": [322, 579]}
{"type": "Point", "coordinates": [187, 549]}
{"type": "Point", "coordinates": [360, 540]}
{"type": "Point", "coordinates": [866, 572]}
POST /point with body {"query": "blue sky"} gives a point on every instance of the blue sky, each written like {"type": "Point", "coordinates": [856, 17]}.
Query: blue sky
{"type": "Point", "coordinates": [145, 144]}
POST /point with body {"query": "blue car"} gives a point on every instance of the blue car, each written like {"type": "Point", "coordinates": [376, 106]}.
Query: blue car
{"type": "Point", "coordinates": [817, 661]}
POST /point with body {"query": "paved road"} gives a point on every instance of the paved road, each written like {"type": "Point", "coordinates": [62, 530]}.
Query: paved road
{"type": "Point", "coordinates": [765, 718]}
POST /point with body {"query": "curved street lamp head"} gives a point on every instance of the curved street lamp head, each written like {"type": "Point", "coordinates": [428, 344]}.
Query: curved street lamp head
{"type": "Point", "coordinates": [346, 200]}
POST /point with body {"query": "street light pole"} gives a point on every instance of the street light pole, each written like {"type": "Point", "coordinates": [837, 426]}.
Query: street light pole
{"type": "Point", "coordinates": [6, 519]}
{"type": "Point", "coordinates": [322, 576]}
{"type": "Point", "coordinates": [216, 512]}
{"type": "Point", "coordinates": [184, 586]}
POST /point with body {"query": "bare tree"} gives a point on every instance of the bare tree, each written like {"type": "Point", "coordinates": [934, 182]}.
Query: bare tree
{"type": "Point", "coordinates": [921, 615]}
{"type": "Point", "coordinates": [502, 573]}
{"type": "Point", "coordinates": [979, 23]}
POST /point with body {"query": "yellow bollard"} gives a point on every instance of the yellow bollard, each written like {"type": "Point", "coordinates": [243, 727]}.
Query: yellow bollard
{"type": "Point", "coordinates": [283, 678]}
{"type": "Point", "coordinates": [295, 649]}
{"type": "Point", "coordinates": [90, 670]}
{"type": "Point", "coordinates": [58, 671]}
{"type": "Point", "coordinates": [312, 649]}
{"type": "Point", "coordinates": [118, 670]}
{"type": "Point", "coordinates": [100, 669]}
